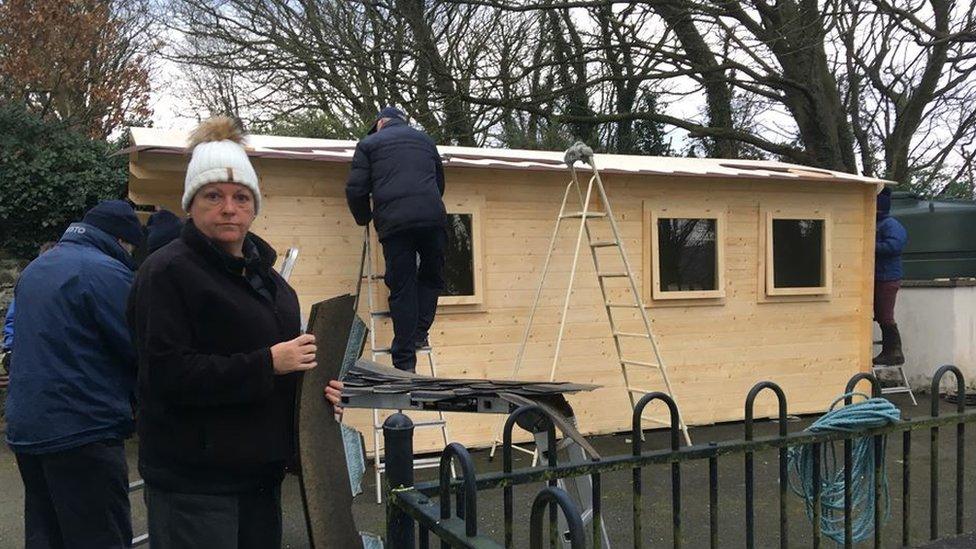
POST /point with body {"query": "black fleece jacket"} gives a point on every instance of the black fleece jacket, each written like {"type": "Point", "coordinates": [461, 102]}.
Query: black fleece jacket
{"type": "Point", "coordinates": [213, 417]}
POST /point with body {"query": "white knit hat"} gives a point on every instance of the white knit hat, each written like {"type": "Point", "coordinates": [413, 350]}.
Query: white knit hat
{"type": "Point", "coordinates": [219, 157]}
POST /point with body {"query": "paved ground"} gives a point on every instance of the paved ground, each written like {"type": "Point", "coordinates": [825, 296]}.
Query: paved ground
{"type": "Point", "coordinates": [967, 541]}
{"type": "Point", "coordinates": [617, 494]}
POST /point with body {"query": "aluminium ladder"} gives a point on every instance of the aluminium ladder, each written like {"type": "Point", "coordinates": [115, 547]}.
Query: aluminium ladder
{"type": "Point", "coordinates": [899, 386]}
{"type": "Point", "coordinates": [370, 277]}
{"type": "Point", "coordinates": [288, 264]}
{"type": "Point", "coordinates": [580, 152]}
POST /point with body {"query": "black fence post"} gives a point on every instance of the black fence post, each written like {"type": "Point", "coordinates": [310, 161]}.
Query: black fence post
{"type": "Point", "coordinates": [467, 496]}
{"type": "Point", "coordinates": [878, 461]}
{"type": "Point", "coordinates": [783, 480]}
{"type": "Point", "coordinates": [574, 522]}
{"type": "Point", "coordinates": [535, 418]}
{"type": "Point", "coordinates": [398, 456]}
{"type": "Point", "coordinates": [636, 434]}
{"type": "Point", "coordinates": [934, 451]}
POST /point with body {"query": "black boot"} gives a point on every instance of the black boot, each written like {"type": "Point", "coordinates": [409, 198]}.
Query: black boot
{"type": "Point", "coordinates": [891, 354]}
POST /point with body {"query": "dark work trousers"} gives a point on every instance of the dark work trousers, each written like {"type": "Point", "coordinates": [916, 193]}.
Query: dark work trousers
{"type": "Point", "coordinates": [415, 277]}
{"type": "Point", "coordinates": [77, 497]}
{"type": "Point", "coordinates": [250, 520]}
{"type": "Point", "coordinates": [885, 292]}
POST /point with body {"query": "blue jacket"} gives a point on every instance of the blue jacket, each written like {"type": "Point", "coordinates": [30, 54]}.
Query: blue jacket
{"type": "Point", "coordinates": [74, 366]}
{"type": "Point", "coordinates": [8, 327]}
{"type": "Point", "coordinates": [401, 169]}
{"type": "Point", "coordinates": [889, 240]}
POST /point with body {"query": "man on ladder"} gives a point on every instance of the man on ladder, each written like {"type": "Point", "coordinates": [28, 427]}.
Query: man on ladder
{"type": "Point", "coordinates": [400, 168]}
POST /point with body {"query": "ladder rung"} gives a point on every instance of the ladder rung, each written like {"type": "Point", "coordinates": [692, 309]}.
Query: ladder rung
{"type": "Point", "coordinates": [380, 314]}
{"type": "Point", "coordinates": [387, 350]}
{"type": "Point", "coordinates": [638, 390]}
{"type": "Point", "coordinates": [418, 424]}
{"type": "Point", "coordinates": [639, 363]}
{"type": "Point", "coordinates": [431, 423]}
{"type": "Point", "coordinates": [630, 334]}
{"type": "Point", "coordinates": [622, 274]}
{"type": "Point", "coordinates": [656, 420]}
{"type": "Point", "coordinates": [623, 305]}
{"type": "Point", "coordinates": [518, 448]}
{"type": "Point", "coordinates": [895, 390]}
{"type": "Point", "coordinates": [375, 277]}
{"type": "Point", "coordinates": [420, 463]}
{"type": "Point", "coordinates": [604, 244]}
{"type": "Point", "coordinates": [578, 215]}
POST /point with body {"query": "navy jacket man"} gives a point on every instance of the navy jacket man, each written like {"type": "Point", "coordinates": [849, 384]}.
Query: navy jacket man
{"type": "Point", "coordinates": [69, 406]}
{"type": "Point", "coordinates": [400, 169]}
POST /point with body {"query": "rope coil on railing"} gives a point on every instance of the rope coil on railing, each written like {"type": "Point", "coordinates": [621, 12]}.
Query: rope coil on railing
{"type": "Point", "coordinates": [870, 413]}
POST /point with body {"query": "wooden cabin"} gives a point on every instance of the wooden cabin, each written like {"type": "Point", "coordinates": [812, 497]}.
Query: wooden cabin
{"type": "Point", "coordinates": [750, 270]}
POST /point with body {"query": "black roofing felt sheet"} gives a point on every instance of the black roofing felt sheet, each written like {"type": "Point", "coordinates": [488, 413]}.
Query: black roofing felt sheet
{"type": "Point", "coordinates": [368, 377]}
{"type": "Point", "coordinates": [326, 491]}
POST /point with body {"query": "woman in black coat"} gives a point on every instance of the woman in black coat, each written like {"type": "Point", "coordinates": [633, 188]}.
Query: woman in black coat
{"type": "Point", "coordinates": [220, 349]}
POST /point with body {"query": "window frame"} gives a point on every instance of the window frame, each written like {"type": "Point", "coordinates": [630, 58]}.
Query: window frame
{"type": "Point", "coordinates": [473, 207]}
{"type": "Point", "coordinates": [652, 285]}
{"type": "Point", "coordinates": [769, 276]}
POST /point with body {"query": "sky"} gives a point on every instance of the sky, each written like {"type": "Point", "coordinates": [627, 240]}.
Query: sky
{"type": "Point", "coordinates": [169, 111]}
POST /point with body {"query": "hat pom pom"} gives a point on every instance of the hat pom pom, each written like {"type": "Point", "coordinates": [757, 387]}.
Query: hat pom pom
{"type": "Point", "coordinates": [218, 128]}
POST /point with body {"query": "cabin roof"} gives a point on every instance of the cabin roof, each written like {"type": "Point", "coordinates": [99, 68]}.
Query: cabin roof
{"type": "Point", "coordinates": [333, 150]}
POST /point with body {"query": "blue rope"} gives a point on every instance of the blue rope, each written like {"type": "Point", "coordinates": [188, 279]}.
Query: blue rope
{"type": "Point", "coordinates": [872, 412]}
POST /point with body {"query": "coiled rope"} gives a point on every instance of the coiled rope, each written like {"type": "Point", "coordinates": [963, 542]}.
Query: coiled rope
{"type": "Point", "coordinates": [872, 412]}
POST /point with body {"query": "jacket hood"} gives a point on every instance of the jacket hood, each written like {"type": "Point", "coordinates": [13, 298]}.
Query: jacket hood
{"type": "Point", "coordinates": [90, 236]}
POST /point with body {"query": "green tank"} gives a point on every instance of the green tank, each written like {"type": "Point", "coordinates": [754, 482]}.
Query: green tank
{"type": "Point", "coordinates": [941, 236]}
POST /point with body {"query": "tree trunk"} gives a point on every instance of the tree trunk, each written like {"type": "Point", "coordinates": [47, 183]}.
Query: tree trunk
{"type": "Point", "coordinates": [458, 126]}
{"type": "Point", "coordinates": [718, 93]}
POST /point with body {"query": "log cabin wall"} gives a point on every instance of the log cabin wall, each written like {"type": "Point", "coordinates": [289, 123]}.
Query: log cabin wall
{"type": "Point", "coordinates": [715, 348]}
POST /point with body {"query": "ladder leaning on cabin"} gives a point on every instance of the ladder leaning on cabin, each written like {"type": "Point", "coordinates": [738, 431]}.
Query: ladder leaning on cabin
{"type": "Point", "coordinates": [366, 274]}
{"type": "Point", "coordinates": [580, 152]}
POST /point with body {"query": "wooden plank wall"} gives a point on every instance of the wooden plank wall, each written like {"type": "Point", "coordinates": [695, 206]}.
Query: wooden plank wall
{"type": "Point", "coordinates": [716, 350]}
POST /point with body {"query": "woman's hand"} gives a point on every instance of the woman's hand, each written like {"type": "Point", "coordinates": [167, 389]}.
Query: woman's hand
{"type": "Point", "coordinates": [296, 355]}
{"type": "Point", "coordinates": [333, 393]}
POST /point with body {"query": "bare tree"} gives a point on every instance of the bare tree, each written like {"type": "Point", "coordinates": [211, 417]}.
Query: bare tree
{"type": "Point", "coordinates": [910, 84]}
{"type": "Point", "coordinates": [881, 87]}
{"type": "Point", "coordinates": [86, 63]}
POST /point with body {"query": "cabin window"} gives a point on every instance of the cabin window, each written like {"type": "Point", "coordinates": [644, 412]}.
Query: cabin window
{"type": "Point", "coordinates": [686, 252]}
{"type": "Point", "coordinates": [462, 257]}
{"type": "Point", "coordinates": [797, 254]}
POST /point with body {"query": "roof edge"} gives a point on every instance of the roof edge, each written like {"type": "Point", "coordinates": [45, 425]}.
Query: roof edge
{"type": "Point", "coordinates": [154, 140]}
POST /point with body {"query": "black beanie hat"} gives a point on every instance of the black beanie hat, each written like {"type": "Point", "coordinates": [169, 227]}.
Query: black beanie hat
{"type": "Point", "coordinates": [884, 202]}
{"type": "Point", "coordinates": [117, 218]}
{"type": "Point", "coordinates": [162, 227]}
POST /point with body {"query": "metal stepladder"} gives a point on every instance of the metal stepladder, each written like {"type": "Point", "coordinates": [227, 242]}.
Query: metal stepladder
{"type": "Point", "coordinates": [580, 152]}
{"type": "Point", "coordinates": [903, 387]}
{"type": "Point", "coordinates": [368, 275]}
{"type": "Point", "coordinates": [288, 264]}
